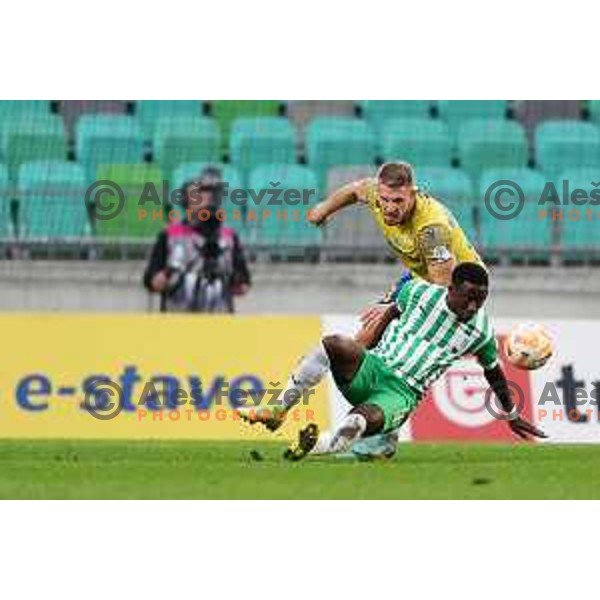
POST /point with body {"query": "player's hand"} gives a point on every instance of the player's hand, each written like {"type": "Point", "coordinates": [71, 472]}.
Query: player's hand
{"type": "Point", "coordinates": [374, 321]}
{"type": "Point", "coordinates": [371, 317]}
{"type": "Point", "coordinates": [316, 216]}
{"type": "Point", "coordinates": [526, 430]}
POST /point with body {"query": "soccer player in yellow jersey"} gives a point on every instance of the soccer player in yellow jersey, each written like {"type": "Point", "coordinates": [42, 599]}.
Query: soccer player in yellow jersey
{"type": "Point", "coordinates": [419, 229]}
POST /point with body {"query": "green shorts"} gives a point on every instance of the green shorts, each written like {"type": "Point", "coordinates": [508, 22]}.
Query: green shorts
{"type": "Point", "coordinates": [375, 383]}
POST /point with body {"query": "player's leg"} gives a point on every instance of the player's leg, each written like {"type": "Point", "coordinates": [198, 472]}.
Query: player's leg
{"type": "Point", "coordinates": [366, 419]}
{"type": "Point", "coordinates": [382, 403]}
{"type": "Point", "coordinates": [338, 354]}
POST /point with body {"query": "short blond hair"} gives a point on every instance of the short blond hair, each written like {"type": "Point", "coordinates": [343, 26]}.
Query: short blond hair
{"type": "Point", "coordinates": [396, 174]}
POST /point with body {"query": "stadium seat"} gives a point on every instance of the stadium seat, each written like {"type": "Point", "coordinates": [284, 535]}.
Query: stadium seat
{"type": "Point", "coordinates": [6, 224]}
{"type": "Point", "coordinates": [261, 140]}
{"type": "Point", "coordinates": [227, 111]}
{"type": "Point", "coordinates": [338, 141]}
{"type": "Point", "coordinates": [454, 189]}
{"type": "Point", "coordinates": [524, 233]}
{"type": "Point", "coordinates": [562, 145]}
{"type": "Point", "coordinates": [73, 110]}
{"type": "Point", "coordinates": [457, 112]}
{"type": "Point", "coordinates": [489, 143]}
{"type": "Point", "coordinates": [137, 182]}
{"type": "Point", "coordinates": [417, 141]}
{"type": "Point", "coordinates": [52, 201]}
{"type": "Point", "coordinates": [530, 113]}
{"type": "Point", "coordinates": [339, 176]}
{"type": "Point", "coordinates": [107, 139]}
{"type": "Point", "coordinates": [41, 174]}
{"type": "Point", "coordinates": [35, 138]}
{"type": "Point", "coordinates": [23, 110]}
{"type": "Point", "coordinates": [531, 182]}
{"type": "Point", "coordinates": [186, 139]}
{"type": "Point", "coordinates": [149, 112]}
{"type": "Point", "coordinates": [594, 110]}
{"type": "Point", "coordinates": [581, 234]}
{"type": "Point", "coordinates": [379, 112]}
{"type": "Point", "coordinates": [287, 232]}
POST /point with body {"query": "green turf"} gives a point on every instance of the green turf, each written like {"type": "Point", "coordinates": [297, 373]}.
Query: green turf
{"type": "Point", "coordinates": [83, 469]}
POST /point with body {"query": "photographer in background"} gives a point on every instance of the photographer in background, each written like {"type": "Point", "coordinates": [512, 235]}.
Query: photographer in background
{"type": "Point", "coordinates": [198, 265]}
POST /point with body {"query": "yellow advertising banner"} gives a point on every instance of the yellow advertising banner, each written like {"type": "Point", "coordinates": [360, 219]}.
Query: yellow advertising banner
{"type": "Point", "coordinates": [150, 376]}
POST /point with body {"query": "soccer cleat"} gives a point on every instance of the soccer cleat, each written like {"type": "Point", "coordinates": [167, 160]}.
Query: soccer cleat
{"type": "Point", "coordinates": [380, 446]}
{"type": "Point", "coordinates": [307, 440]}
{"type": "Point", "coordinates": [271, 419]}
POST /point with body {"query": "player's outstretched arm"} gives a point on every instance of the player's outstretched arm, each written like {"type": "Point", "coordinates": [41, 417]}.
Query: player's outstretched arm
{"type": "Point", "coordinates": [348, 194]}
{"type": "Point", "coordinates": [521, 427]}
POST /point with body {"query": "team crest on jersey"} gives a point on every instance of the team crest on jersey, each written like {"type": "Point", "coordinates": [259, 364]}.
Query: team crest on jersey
{"type": "Point", "coordinates": [440, 253]}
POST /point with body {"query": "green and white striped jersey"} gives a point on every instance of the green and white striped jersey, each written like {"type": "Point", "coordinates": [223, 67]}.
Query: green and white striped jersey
{"type": "Point", "coordinates": [428, 337]}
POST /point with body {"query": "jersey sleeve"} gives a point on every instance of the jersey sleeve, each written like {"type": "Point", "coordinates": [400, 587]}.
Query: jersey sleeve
{"type": "Point", "coordinates": [411, 289]}
{"type": "Point", "coordinates": [435, 243]}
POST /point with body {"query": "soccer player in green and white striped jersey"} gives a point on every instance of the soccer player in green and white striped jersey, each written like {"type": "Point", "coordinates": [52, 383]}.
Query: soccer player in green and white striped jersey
{"type": "Point", "coordinates": [428, 329]}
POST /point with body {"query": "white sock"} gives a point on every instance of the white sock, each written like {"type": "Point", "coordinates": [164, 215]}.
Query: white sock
{"type": "Point", "coordinates": [348, 431]}
{"type": "Point", "coordinates": [309, 372]}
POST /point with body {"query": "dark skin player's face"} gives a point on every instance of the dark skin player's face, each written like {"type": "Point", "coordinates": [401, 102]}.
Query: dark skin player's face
{"type": "Point", "coordinates": [466, 299]}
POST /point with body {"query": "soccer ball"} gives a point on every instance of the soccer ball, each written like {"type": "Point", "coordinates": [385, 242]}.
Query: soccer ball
{"type": "Point", "coordinates": [528, 346]}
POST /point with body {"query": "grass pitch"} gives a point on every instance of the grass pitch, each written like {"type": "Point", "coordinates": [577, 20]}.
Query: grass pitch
{"type": "Point", "coordinates": [240, 470]}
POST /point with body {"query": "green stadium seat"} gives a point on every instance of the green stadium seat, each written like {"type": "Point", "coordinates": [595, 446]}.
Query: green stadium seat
{"type": "Point", "coordinates": [582, 234]}
{"type": "Point", "coordinates": [454, 189]}
{"type": "Point", "coordinates": [338, 141]}
{"type": "Point", "coordinates": [6, 224]}
{"type": "Point", "coordinates": [489, 143]}
{"type": "Point", "coordinates": [21, 110]}
{"type": "Point", "coordinates": [531, 182]}
{"type": "Point", "coordinates": [290, 232]}
{"type": "Point", "coordinates": [30, 139]}
{"type": "Point", "coordinates": [227, 111]}
{"type": "Point", "coordinates": [456, 112]}
{"type": "Point", "coordinates": [445, 182]}
{"type": "Point", "coordinates": [149, 112]}
{"type": "Point", "coordinates": [186, 139]}
{"type": "Point", "coordinates": [261, 140]}
{"type": "Point", "coordinates": [594, 110]}
{"type": "Point", "coordinates": [379, 112]}
{"type": "Point", "coordinates": [108, 139]}
{"type": "Point", "coordinates": [43, 174]}
{"type": "Point", "coordinates": [137, 182]}
{"type": "Point", "coordinates": [524, 233]}
{"type": "Point", "coordinates": [52, 201]}
{"type": "Point", "coordinates": [562, 145]}
{"type": "Point", "coordinates": [417, 141]}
